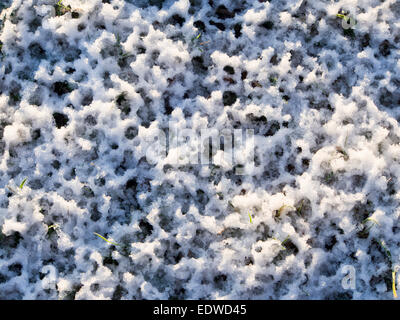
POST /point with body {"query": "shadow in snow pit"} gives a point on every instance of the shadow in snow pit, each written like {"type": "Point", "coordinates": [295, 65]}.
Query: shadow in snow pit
{"type": "Point", "coordinates": [147, 3]}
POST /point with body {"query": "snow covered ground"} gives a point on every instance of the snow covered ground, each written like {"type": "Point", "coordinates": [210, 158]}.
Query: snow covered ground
{"type": "Point", "coordinates": [87, 85]}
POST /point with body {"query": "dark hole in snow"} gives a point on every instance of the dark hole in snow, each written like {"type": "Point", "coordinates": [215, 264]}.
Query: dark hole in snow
{"type": "Point", "coordinates": [305, 162]}
{"type": "Point", "coordinates": [229, 69]}
{"type": "Point", "coordinates": [35, 184]}
{"type": "Point", "coordinates": [365, 41]}
{"type": "Point", "coordinates": [384, 48]}
{"type": "Point", "coordinates": [177, 19]}
{"type": "Point", "coordinates": [36, 51]}
{"type": "Point", "coordinates": [87, 192]}
{"type": "Point", "coordinates": [290, 168]}
{"type": "Point", "coordinates": [14, 94]}
{"type": "Point", "coordinates": [36, 134]}
{"type": "Point", "coordinates": [389, 99]}
{"type": "Point", "coordinates": [131, 184]}
{"type": "Point", "coordinates": [201, 196]}
{"type": "Point", "coordinates": [167, 106]}
{"type": "Point", "coordinates": [94, 287]}
{"type": "Point", "coordinates": [198, 64]}
{"type": "Point", "coordinates": [87, 99]}
{"type": "Point", "coordinates": [100, 181]}
{"type": "Point", "coordinates": [100, 26]}
{"type": "Point", "coordinates": [248, 261]}
{"type": "Point", "coordinates": [327, 269]}
{"type": "Point", "coordinates": [223, 13]}
{"type": "Point", "coordinates": [155, 54]}
{"type": "Point", "coordinates": [221, 277]}
{"type": "Point", "coordinates": [81, 27]}
{"type": "Point", "coordinates": [123, 103]}
{"type": "Point", "coordinates": [90, 120]}
{"type": "Point", "coordinates": [238, 30]}
{"type": "Point", "coordinates": [71, 54]}
{"type": "Point", "coordinates": [16, 268]}
{"type": "Point", "coordinates": [60, 119]}
{"type": "Point", "coordinates": [229, 98]}
{"type": "Point", "coordinates": [141, 50]}
{"type": "Point", "coordinates": [358, 181]}
{"type": "Point", "coordinates": [11, 241]}
{"type": "Point", "coordinates": [274, 127]}
{"type": "Point", "coordinates": [219, 25]}
{"type": "Point", "coordinates": [34, 24]}
{"type": "Point", "coordinates": [121, 98]}
{"type": "Point", "coordinates": [349, 33]}
{"type": "Point", "coordinates": [267, 25]}
{"type": "Point", "coordinates": [200, 25]}
{"type": "Point", "coordinates": [3, 278]}
{"type": "Point", "coordinates": [167, 167]}
{"type": "Point", "coordinates": [220, 280]}
{"type": "Point", "coordinates": [314, 30]}
{"type": "Point", "coordinates": [296, 58]}
{"type": "Point", "coordinates": [274, 59]}
{"type": "Point", "coordinates": [131, 132]}
{"type": "Point", "coordinates": [56, 164]}
{"type": "Point", "coordinates": [70, 70]}
{"type": "Point", "coordinates": [62, 87]}
{"type": "Point", "coordinates": [119, 293]}
{"type": "Point", "coordinates": [340, 85]}
{"type": "Point", "coordinates": [145, 4]}
{"type": "Point", "coordinates": [110, 261]}
{"type": "Point", "coordinates": [339, 296]}
{"type": "Point", "coordinates": [95, 214]}
{"type": "Point", "coordinates": [291, 247]}
{"type": "Point", "coordinates": [258, 121]}
{"type": "Point", "coordinates": [178, 258]}
{"type": "Point", "coordinates": [330, 243]}
{"type": "Point", "coordinates": [146, 227]}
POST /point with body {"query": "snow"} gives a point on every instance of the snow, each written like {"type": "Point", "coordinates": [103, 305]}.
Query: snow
{"type": "Point", "coordinates": [107, 110]}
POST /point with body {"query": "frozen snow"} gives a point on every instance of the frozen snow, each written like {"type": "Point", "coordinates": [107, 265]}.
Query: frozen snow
{"type": "Point", "coordinates": [84, 96]}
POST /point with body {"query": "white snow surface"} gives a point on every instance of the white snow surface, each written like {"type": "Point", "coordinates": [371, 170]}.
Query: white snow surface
{"type": "Point", "coordinates": [83, 94]}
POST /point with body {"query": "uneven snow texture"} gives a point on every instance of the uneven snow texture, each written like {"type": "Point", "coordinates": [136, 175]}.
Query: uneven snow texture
{"type": "Point", "coordinates": [83, 92]}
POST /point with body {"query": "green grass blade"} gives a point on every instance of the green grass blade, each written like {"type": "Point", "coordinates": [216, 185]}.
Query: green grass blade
{"type": "Point", "coordinates": [100, 236]}
{"type": "Point", "coordinates": [22, 183]}
{"type": "Point", "coordinates": [386, 249]}
{"type": "Point", "coordinates": [285, 240]}
{"type": "Point", "coordinates": [197, 37]}
{"type": "Point", "coordinates": [394, 284]}
{"type": "Point", "coordinates": [372, 220]}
